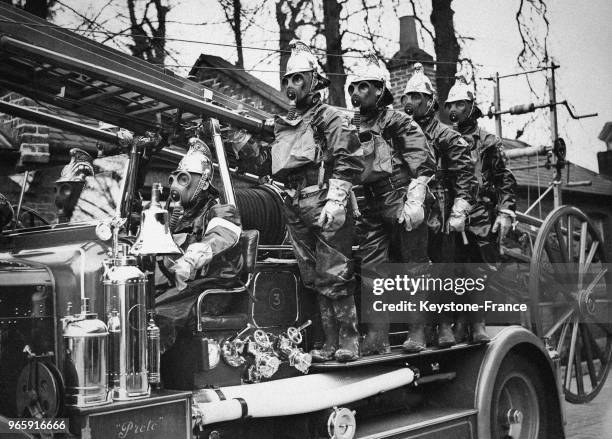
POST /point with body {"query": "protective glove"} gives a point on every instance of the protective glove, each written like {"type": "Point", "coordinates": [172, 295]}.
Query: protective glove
{"type": "Point", "coordinates": [333, 214]}
{"type": "Point", "coordinates": [197, 256]}
{"type": "Point", "coordinates": [458, 216]}
{"type": "Point", "coordinates": [503, 223]}
{"type": "Point", "coordinates": [413, 214]}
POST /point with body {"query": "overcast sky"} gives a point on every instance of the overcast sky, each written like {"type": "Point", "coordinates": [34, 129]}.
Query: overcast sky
{"type": "Point", "coordinates": [580, 39]}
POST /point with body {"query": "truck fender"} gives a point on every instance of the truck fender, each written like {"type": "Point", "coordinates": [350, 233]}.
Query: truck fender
{"type": "Point", "coordinates": [514, 339]}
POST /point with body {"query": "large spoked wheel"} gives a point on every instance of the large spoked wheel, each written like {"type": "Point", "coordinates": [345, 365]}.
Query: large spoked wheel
{"type": "Point", "coordinates": [518, 407]}
{"type": "Point", "coordinates": [571, 300]}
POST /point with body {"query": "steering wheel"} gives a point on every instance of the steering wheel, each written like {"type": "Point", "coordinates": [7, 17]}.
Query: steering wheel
{"type": "Point", "coordinates": [32, 215]}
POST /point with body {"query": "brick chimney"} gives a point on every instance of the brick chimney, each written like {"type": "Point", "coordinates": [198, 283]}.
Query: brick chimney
{"type": "Point", "coordinates": [604, 158]}
{"type": "Point", "coordinates": [408, 33]}
{"type": "Point", "coordinates": [401, 65]}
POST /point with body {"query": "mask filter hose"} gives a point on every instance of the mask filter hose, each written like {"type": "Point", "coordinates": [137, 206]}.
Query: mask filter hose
{"type": "Point", "coordinates": [291, 113]}
{"type": "Point", "coordinates": [176, 215]}
{"type": "Point", "coordinates": [292, 97]}
{"type": "Point", "coordinates": [356, 102]}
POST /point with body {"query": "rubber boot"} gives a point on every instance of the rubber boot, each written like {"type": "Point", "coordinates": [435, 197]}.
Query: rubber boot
{"type": "Point", "coordinates": [415, 341]}
{"type": "Point", "coordinates": [478, 331]}
{"type": "Point", "coordinates": [348, 336]}
{"type": "Point", "coordinates": [446, 338]}
{"type": "Point", "coordinates": [376, 340]}
{"type": "Point", "coordinates": [461, 328]}
{"type": "Point", "coordinates": [328, 323]}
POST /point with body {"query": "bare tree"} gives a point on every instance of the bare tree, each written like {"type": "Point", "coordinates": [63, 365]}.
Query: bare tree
{"type": "Point", "coordinates": [240, 17]}
{"type": "Point", "coordinates": [534, 51]}
{"type": "Point", "coordinates": [233, 13]}
{"type": "Point", "coordinates": [333, 40]}
{"type": "Point", "coordinates": [151, 45]}
{"type": "Point", "coordinates": [446, 46]}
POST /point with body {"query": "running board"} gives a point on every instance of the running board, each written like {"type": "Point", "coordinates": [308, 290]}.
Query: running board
{"type": "Point", "coordinates": [395, 356]}
{"type": "Point", "coordinates": [430, 423]}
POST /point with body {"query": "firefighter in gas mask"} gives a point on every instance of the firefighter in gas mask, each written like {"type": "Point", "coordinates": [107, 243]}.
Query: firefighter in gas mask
{"type": "Point", "coordinates": [315, 155]}
{"type": "Point", "coordinates": [398, 167]}
{"type": "Point", "coordinates": [208, 233]}
{"type": "Point", "coordinates": [69, 186]}
{"type": "Point", "coordinates": [455, 183]}
{"type": "Point", "coordinates": [205, 229]}
{"type": "Point", "coordinates": [494, 211]}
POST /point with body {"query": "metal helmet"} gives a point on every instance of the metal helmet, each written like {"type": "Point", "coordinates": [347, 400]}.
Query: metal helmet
{"type": "Point", "coordinates": [419, 82]}
{"type": "Point", "coordinates": [369, 69]}
{"type": "Point", "coordinates": [79, 167]}
{"type": "Point", "coordinates": [198, 158]}
{"type": "Point", "coordinates": [460, 91]}
{"type": "Point", "coordinates": [303, 60]}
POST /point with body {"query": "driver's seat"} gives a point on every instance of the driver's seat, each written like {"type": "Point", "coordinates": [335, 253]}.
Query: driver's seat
{"type": "Point", "coordinates": [248, 242]}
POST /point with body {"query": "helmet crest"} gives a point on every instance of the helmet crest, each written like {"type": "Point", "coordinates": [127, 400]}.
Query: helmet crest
{"type": "Point", "coordinates": [303, 60]}
{"type": "Point", "coordinates": [419, 82]}
{"type": "Point", "coordinates": [369, 69]}
{"type": "Point", "coordinates": [460, 91]}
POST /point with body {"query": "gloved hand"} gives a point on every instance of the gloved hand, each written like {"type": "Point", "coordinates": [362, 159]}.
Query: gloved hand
{"type": "Point", "coordinates": [503, 223]}
{"type": "Point", "coordinates": [333, 214]}
{"type": "Point", "coordinates": [196, 257]}
{"type": "Point", "coordinates": [413, 214]}
{"type": "Point", "coordinates": [458, 216]}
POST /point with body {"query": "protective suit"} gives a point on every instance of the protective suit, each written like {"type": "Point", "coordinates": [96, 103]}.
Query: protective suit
{"type": "Point", "coordinates": [398, 166]}
{"type": "Point", "coordinates": [207, 232]}
{"type": "Point", "coordinates": [455, 182]}
{"type": "Point", "coordinates": [493, 213]}
{"type": "Point", "coordinates": [315, 155]}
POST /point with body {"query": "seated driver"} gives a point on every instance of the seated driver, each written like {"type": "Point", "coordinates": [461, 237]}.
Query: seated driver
{"type": "Point", "coordinates": [207, 232]}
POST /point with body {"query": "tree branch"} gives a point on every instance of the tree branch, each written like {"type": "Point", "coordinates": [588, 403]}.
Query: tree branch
{"type": "Point", "coordinates": [420, 21]}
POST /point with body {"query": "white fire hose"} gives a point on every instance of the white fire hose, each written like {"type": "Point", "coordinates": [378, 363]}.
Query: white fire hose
{"type": "Point", "coordinates": [292, 396]}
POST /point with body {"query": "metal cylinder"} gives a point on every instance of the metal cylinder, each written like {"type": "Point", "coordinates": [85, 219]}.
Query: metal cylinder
{"type": "Point", "coordinates": [125, 304]}
{"type": "Point", "coordinates": [154, 350]}
{"type": "Point", "coordinates": [85, 340]}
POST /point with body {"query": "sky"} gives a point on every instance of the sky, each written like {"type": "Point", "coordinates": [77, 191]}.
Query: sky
{"type": "Point", "coordinates": [579, 41]}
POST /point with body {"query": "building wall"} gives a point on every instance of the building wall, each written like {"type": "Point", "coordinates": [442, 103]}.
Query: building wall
{"type": "Point", "coordinates": [32, 138]}
{"type": "Point", "coordinates": [218, 81]}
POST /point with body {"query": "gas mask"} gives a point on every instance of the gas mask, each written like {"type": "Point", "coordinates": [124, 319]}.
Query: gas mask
{"type": "Point", "coordinates": [193, 174]}
{"type": "Point", "coordinates": [299, 88]}
{"type": "Point", "coordinates": [67, 194]}
{"type": "Point", "coordinates": [418, 105]}
{"type": "Point", "coordinates": [186, 187]}
{"type": "Point", "coordinates": [459, 111]}
{"type": "Point", "coordinates": [365, 94]}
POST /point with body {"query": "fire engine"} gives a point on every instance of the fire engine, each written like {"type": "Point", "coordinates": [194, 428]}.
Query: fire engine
{"type": "Point", "coordinates": [77, 343]}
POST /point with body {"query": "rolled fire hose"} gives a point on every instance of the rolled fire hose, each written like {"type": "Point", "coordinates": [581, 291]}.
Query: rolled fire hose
{"type": "Point", "coordinates": [292, 396]}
